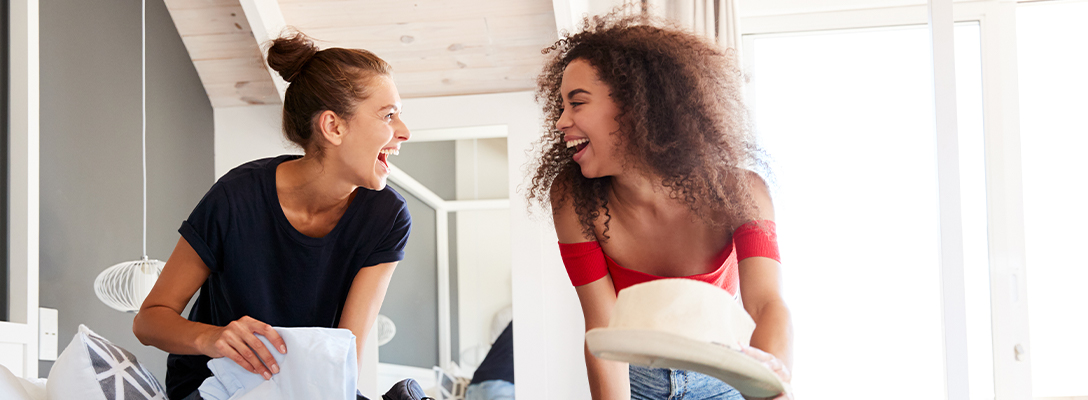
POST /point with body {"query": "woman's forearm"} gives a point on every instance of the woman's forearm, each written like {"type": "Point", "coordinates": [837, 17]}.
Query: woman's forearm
{"type": "Point", "coordinates": [165, 329]}
{"type": "Point", "coordinates": [774, 331]}
{"type": "Point", "coordinates": [361, 333]}
{"type": "Point", "coordinates": [364, 300]}
{"type": "Point", "coordinates": [159, 322]}
{"type": "Point", "coordinates": [608, 380]}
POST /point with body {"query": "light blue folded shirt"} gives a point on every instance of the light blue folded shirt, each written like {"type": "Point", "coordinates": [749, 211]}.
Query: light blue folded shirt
{"type": "Point", "coordinates": [320, 364]}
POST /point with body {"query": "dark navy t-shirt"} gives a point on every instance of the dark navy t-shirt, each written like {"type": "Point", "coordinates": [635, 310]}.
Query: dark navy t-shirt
{"type": "Point", "coordinates": [499, 362]}
{"type": "Point", "coordinates": [263, 267]}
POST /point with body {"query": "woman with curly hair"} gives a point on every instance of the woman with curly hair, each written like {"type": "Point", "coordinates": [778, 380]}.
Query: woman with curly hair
{"type": "Point", "coordinates": [648, 143]}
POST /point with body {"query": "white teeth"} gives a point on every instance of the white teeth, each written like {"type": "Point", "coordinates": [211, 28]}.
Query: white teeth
{"type": "Point", "coordinates": [390, 152]}
{"type": "Point", "coordinates": [573, 143]}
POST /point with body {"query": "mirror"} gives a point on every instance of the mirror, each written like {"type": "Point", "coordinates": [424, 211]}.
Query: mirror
{"type": "Point", "coordinates": [451, 296]}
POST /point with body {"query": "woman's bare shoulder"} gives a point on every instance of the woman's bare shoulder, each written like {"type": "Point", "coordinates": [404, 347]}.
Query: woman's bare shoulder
{"type": "Point", "coordinates": [568, 225]}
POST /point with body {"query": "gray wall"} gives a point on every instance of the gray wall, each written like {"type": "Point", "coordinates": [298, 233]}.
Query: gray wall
{"type": "Point", "coordinates": [90, 154]}
{"type": "Point", "coordinates": [412, 299]}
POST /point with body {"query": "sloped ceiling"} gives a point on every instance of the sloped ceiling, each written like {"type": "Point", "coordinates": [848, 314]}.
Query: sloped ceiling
{"type": "Point", "coordinates": [436, 47]}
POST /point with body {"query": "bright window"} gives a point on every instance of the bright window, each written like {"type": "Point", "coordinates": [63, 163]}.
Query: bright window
{"type": "Point", "coordinates": [848, 119]}
{"type": "Point", "coordinates": [1052, 39]}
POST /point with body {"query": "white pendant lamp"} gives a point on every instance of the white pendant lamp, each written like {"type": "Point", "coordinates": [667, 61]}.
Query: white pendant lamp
{"type": "Point", "coordinates": [124, 286]}
{"type": "Point", "coordinates": [386, 329]}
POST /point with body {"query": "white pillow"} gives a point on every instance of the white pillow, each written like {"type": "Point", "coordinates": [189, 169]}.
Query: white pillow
{"type": "Point", "coordinates": [92, 368]}
{"type": "Point", "coordinates": [11, 386]}
{"type": "Point", "coordinates": [35, 388]}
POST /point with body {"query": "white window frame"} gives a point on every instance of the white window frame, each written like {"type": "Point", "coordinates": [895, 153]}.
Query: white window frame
{"type": "Point", "coordinates": [22, 329]}
{"type": "Point", "coordinates": [1004, 187]}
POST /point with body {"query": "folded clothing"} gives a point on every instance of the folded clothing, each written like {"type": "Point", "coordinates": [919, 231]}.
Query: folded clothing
{"type": "Point", "coordinates": [320, 364]}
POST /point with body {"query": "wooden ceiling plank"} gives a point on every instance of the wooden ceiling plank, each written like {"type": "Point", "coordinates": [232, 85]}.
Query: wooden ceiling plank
{"type": "Point", "coordinates": [428, 39]}
{"type": "Point", "coordinates": [458, 90]}
{"type": "Point", "coordinates": [223, 46]}
{"type": "Point", "coordinates": [244, 93]}
{"type": "Point", "coordinates": [467, 81]}
{"type": "Point", "coordinates": [355, 12]}
{"type": "Point", "coordinates": [231, 70]}
{"type": "Point", "coordinates": [409, 36]}
{"type": "Point", "coordinates": [532, 29]}
{"type": "Point", "coordinates": [210, 20]}
{"type": "Point", "coordinates": [492, 56]}
{"type": "Point", "coordinates": [536, 27]}
{"type": "Point", "coordinates": [193, 4]}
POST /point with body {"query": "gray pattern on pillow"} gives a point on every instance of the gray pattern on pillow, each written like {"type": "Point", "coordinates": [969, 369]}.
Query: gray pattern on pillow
{"type": "Point", "coordinates": [120, 375]}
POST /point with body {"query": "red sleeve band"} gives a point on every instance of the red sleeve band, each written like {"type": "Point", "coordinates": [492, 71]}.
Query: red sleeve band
{"type": "Point", "coordinates": [757, 239]}
{"type": "Point", "coordinates": [584, 261]}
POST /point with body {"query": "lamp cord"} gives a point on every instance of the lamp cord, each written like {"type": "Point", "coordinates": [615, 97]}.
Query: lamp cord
{"type": "Point", "coordinates": [143, 106]}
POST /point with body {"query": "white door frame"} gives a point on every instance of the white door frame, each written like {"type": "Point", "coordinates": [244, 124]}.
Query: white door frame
{"type": "Point", "coordinates": [19, 337]}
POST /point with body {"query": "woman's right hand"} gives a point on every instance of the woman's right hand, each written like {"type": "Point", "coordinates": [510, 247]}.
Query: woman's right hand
{"type": "Point", "coordinates": [238, 341]}
{"type": "Point", "coordinates": [775, 365]}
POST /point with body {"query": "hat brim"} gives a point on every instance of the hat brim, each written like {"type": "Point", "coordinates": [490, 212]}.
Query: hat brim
{"type": "Point", "coordinates": [666, 350]}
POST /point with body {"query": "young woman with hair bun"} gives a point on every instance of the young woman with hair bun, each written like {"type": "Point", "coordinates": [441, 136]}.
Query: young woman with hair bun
{"type": "Point", "coordinates": [646, 166]}
{"type": "Point", "coordinates": [293, 241]}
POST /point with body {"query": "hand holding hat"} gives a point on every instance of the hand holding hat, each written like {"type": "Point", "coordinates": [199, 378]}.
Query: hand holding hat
{"type": "Point", "coordinates": [775, 365]}
{"type": "Point", "coordinates": [690, 325]}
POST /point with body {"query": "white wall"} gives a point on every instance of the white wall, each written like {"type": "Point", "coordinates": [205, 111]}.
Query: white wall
{"type": "Point", "coordinates": [549, 330]}
{"type": "Point", "coordinates": [247, 133]}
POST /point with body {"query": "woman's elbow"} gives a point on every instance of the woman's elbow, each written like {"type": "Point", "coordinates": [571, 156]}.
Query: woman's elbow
{"type": "Point", "coordinates": [137, 329]}
{"type": "Point", "coordinates": [141, 326]}
{"type": "Point", "coordinates": [775, 308]}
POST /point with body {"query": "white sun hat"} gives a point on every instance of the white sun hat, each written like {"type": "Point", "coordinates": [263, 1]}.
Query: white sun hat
{"type": "Point", "coordinates": [685, 324]}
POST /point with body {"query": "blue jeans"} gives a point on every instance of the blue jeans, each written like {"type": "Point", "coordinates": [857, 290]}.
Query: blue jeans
{"type": "Point", "coordinates": [490, 390]}
{"type": "Point", "coordinates": [674, 384]}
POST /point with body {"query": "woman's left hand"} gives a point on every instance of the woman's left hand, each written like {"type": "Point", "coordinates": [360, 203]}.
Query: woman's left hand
{"type": "Point", "coordinates": [775, 365]}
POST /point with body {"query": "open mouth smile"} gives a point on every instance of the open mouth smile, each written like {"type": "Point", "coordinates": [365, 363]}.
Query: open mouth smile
{"type": "Point", "coordinates": [579, 146]}
{"type": "Point", "coordinates": [384, 154]}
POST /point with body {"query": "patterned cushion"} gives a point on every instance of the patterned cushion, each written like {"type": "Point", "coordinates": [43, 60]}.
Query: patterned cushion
{"type": "Point", "coordinates": [93, 368]}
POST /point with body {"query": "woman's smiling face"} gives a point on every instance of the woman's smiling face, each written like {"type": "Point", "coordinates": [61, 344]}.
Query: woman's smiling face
{"type": "Point", "coordinates": [374, 132]}
{"type": "Point", "coordinates": [589, 121]}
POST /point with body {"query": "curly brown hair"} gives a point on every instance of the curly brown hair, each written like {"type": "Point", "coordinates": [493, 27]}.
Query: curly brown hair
{"type": "Point", "coordinates": [681, 119]}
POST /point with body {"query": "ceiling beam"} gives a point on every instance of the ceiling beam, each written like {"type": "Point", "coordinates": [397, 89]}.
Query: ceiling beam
{"type": "Point", "coordinates": [267, 23]}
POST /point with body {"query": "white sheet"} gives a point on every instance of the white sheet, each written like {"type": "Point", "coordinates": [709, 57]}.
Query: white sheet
{"type": "Point", "coordinates": [320, 364]}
